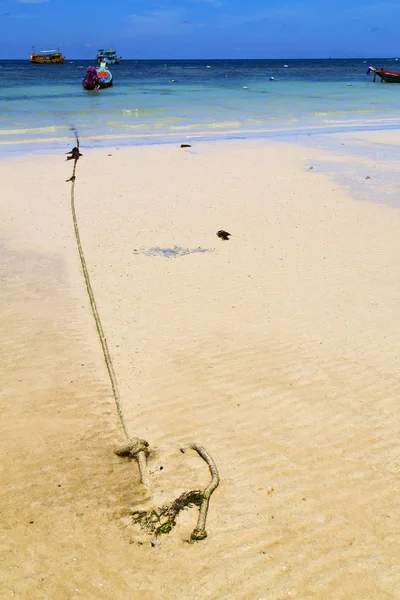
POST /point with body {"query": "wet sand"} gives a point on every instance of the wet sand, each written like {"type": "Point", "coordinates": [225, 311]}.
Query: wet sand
{"type": "Point", "coordinates": [277, 350]}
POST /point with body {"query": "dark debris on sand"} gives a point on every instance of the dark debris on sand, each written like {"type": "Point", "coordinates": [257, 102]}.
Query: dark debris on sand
{"type": "Point", "coordinates": [224, 235]}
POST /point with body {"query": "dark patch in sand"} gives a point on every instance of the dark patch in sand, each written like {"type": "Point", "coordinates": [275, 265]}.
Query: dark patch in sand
{"type": "Point", "coordinates": [172, 252]}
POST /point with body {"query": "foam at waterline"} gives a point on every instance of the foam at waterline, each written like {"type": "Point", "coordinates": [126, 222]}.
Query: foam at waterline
{"type": "Point", "coordinates": [168, 137]}
{"type": "Point", "coordinates": [45, 129]}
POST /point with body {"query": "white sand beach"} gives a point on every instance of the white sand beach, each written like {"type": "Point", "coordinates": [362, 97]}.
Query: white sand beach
{"type": "Point", "coordinates": [277, 350]}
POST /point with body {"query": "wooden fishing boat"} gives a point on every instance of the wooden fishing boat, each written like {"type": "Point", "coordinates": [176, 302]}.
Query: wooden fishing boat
{"type": "Point", "coordinates": [105, 76]}
{"type": "Point", "coordinates": [387, 76]}
{"type": "Point", "coordinates": [46, 57]}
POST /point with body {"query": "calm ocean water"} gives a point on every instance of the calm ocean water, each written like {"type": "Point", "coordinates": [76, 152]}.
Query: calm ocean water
{"type": "Point", "coordinates": [161, 101]}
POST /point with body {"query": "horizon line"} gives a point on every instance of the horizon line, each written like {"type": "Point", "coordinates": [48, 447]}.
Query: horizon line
{"type": "Point", "coordinates": [241, 58]}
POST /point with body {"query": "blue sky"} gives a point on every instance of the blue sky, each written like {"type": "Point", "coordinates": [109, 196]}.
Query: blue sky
{"type": "Point", "coordinates": [201, 28]}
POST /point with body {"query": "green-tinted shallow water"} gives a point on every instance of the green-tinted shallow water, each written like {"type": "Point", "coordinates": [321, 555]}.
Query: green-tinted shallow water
{"type": "Point", "coordinates": [160, 101]}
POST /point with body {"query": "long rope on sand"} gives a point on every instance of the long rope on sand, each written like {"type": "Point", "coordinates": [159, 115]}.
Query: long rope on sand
{"type": "Point", "coordinates": [136, 447]}
{"type": "Point", "coordinates": [75, 154]}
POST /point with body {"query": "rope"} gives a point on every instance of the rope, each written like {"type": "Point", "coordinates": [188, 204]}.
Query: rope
{"type": "Point", "coordinates": [136, 447]}
{"type": "Point", "coordinates": [75, 154]}
{"type": "Point", "coordinates": [199, 533]}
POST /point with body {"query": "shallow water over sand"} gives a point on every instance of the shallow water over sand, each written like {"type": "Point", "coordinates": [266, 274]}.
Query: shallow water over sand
{"type": "Point", "coordinates": [157, 101]}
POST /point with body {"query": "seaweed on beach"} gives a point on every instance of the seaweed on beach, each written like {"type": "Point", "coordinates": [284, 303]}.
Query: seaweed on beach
{"type": "Point", "coordinates": [163, 519]}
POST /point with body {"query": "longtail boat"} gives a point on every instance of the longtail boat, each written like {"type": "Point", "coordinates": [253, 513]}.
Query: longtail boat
{"type": "Point", "coordinates": [387, 76]}
{"type": "Point", "coordinates": [97, 78]}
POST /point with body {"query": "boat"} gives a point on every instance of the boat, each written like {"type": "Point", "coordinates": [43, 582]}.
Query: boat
{"type": "Point", "coordinates": [387, 76]}
{"type": "Point", "coordinates": [109, 56]}
{"type": "Point", "coordinates": [97, 78]}
{"type": "Point", "coordinates": [46, 57]}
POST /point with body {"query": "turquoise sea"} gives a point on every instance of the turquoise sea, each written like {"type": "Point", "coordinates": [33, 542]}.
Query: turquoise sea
{"type": "Point", "coordinates": [156, 101]}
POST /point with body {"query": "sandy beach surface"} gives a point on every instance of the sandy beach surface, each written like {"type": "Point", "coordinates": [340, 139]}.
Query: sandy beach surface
{"type": "Point", "coordinates": [277, 350]}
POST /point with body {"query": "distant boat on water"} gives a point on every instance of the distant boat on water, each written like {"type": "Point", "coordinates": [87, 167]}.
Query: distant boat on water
{"type": "Point", "coordinates": [46, 57]}
{"type": "Point", "coordinates": [108, 56]}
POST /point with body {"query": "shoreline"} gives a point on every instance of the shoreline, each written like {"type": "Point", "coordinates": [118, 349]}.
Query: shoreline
{"type": "Point", "coordinates": [106, 141]}
{"type": "Point", "coordinates": [277, 350]}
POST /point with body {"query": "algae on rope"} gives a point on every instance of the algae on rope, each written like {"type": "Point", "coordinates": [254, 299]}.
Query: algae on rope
{"type": "Point", "coordinates": [162, 520]}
